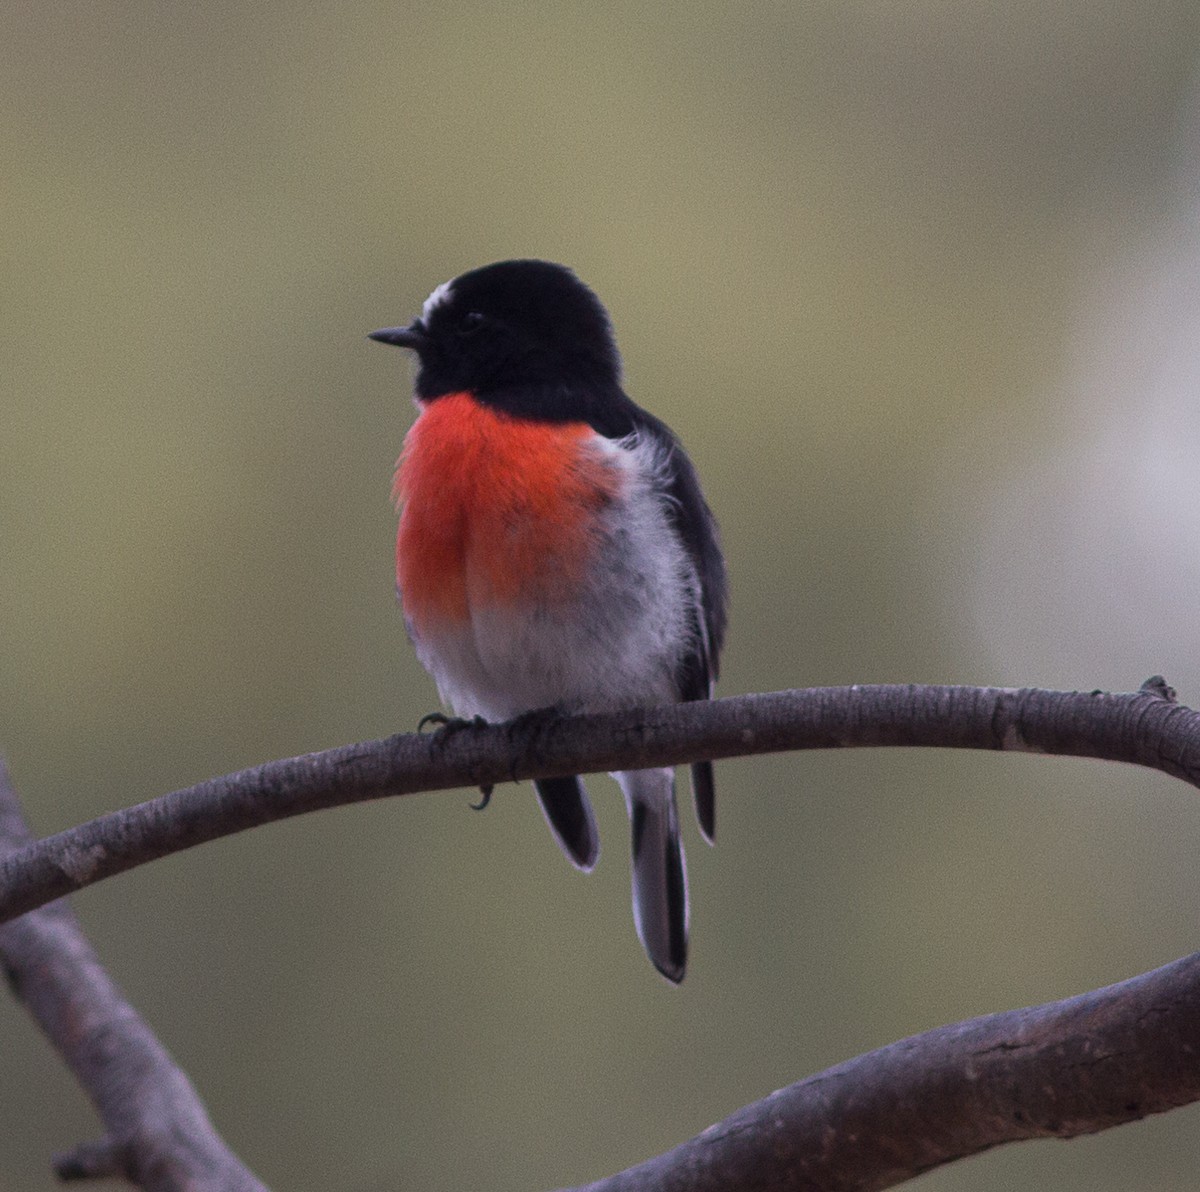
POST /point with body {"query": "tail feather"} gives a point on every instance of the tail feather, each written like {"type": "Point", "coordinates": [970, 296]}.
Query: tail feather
{"type": "Point", "coordinates": [569, 814]}
{"type": "Point", "coordinates": [660, 901]}
{"type": "Point", "coordinates": [704, 794]}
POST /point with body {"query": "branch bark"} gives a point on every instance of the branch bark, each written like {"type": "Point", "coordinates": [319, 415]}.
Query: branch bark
{"type": "Point", "coordinates": [1059, 1070]}
{"type": "Point", "coordinates": [1062, 1069]}
{"type": "Point", "coordinates": [158, 1135]}
{"type": "Point", "coordinates": [1145, 728]}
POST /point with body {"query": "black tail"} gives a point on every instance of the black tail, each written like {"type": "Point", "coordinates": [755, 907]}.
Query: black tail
{"type": "Point", "coordinates": [570, 817]}
{"type": "Point", "coordinates": [704, 793]}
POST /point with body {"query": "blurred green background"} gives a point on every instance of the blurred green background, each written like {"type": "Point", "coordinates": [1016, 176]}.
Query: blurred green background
{"type": "Point", "coordinates": [914, 281]}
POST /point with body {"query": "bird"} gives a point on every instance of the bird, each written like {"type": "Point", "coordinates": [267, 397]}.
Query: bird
{"type": "Point", "coordinates": [555, 551]}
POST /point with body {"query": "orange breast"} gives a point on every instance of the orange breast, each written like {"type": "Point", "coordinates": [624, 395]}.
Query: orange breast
{"type": "Point", "coordinates": [494, 509]}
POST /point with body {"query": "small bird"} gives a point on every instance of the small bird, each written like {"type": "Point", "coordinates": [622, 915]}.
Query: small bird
{"type": "Point", "coordinates": [555, 551]}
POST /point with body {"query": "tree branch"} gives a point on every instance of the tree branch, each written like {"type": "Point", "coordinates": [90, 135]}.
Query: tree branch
{"type": "Point", "coordinates": [1059, 1070]}
{"type": "Point", "coordinates": [1145, 727]}
{"type": "Point", "coordinates": [158, 1135]}
{"type": "Point", "coordinates": [1062, 1069]}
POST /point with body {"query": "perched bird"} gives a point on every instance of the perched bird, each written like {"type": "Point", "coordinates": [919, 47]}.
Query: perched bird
{"type": "Point", "coordinates": [555, 550]}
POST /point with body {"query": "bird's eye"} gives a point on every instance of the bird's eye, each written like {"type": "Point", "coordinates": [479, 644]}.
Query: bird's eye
{"type": "Point", "coordinates": [469, 323]}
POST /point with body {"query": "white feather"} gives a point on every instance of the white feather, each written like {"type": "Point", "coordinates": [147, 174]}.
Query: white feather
{"type": "Point", "coordinates": [440, 296]}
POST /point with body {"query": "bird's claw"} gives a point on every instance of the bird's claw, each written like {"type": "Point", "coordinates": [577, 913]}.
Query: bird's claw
{"type": "Point", "coordinates": [449, 724]}
{"type": "Point", "coordinates": [525, 733]}
{"type": "Point", "coordinates": [446, 725]}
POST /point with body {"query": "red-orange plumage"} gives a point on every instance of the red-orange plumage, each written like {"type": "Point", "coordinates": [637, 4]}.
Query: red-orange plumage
{"type": "Point", "coordinates": [495, 509]}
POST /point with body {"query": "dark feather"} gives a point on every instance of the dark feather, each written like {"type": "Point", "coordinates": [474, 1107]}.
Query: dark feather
{"type": "Point", "coordinates": [704, 794]}
{"type": "Point", "coordinates": [570, 816]}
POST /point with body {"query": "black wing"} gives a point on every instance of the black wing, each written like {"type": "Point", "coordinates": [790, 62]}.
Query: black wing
{"type": "Point", "coordinates": [699, 669]}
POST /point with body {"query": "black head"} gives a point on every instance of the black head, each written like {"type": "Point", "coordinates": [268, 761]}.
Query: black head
{"type": "Point", "coordinates": [512, 333]}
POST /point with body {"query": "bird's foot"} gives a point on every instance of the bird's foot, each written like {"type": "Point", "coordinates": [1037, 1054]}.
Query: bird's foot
{"type": "Point", "coordinates": [448, 725]}
{"type": "Point", "coordinates": [525, 733]}
{"type": "Point", "coordinates": [534, 720]}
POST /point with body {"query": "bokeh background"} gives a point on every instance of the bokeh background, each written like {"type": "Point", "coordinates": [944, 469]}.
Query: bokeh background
{"type": "Point", "coordinates": [918, 284]}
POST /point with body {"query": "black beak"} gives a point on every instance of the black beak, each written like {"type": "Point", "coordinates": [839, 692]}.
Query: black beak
{"type": "Point", "coordinates": [413, 336]}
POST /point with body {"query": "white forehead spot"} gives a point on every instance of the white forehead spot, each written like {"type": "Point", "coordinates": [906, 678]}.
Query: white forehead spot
{"type": "Point", "coordinates": [439, 297]}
